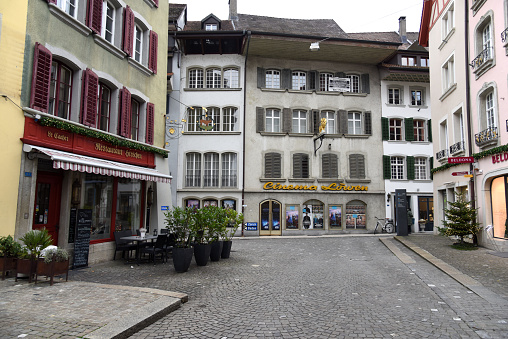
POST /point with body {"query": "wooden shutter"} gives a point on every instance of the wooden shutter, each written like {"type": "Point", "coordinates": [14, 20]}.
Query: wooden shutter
{"type": "Point", "coordinates": [260, 119]}
{"type": "Point", "coordinates": [89, 97]}
{"type": "Point", "coordinates": [286, 79]}
{"type": "Point", "coordinates": [368, 122]}
{"type": "Point", "coordinates": [387, 169]}
{"type": "Point", "coordinates": [357, 166]}
{"type": "Point", "coordinates": [287, 120]}
{"type": "Point", "coordinates": [261, 77]}
{"type": "Point", "coordinates": [329, 164]}
{"type": "Point", "coordinates": [272, 165]}
{"type": "Point", "coordinates": [409, 128]}
{"type": "Point", "coordinates": [365, 83]}
{"type": "Point", "coordinates": [431, 166]}
{"type": "Point", "coordinates": [316, 120]}
{"type": "Point", "coordinates": [340, 75]}
{"type": "Point", "coordinates": [343, 121]}
{"type": "Point", "coordinates": [429, 130]}
{"type": "Point", "coordinates": [385, 129]}
{"type": "Point", "coordinates": [300, 165]}
{"type": "Point", "coordinates": [124, 125]}
{"type": "Point", "coordinates": [152, 58]}
{"type": "Point", "coordinates": [150, 117]}
{"type": "Point", "coordinates": [410, 164]}
{"type": "Point", "coordinates": [128, 30]}
{"type": "Point", "coordinates": [41, 78]}
{"type": "Point", "coordinates": [94, 15]}
{"type": "Point", "coordinates": [311, 80]}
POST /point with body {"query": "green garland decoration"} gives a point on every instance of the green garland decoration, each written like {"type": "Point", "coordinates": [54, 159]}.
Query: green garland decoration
{"type": "Point", "coordinates": [63, 125]}
{"type": "Point", "coordinates": [477, 156]}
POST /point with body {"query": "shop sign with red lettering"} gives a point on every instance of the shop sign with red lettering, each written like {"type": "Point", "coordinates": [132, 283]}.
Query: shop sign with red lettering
{"type": "Point", "coordinates": [460, 160]}
{"type": "Point", "coordinates": [499, 158]}
{"type": "Point", "coordinates": [460, 173]}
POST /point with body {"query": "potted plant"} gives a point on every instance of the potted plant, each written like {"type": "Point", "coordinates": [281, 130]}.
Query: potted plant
{"type": "Point", "coordinates": [201, 230]}
{"type": "Point", "coordinates": [10, 249]}
{"type": "Point", "coordinates": [35, 241]}
{"type": "Point", "coordinates": [179, 222]}
{"type": "Point", "coordinates": [54, 261]}
{"type": "Point", "coordinates": [234, 220]}
{"type": "Point", "coordinates": [217, 228]}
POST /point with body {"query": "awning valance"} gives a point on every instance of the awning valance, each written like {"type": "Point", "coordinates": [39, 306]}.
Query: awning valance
{"type": "Point", "coordinates": [81, 163]}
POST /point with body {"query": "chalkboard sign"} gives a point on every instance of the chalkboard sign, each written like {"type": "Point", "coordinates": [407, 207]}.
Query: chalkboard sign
{"type": "Point", "coordinates": [82, 241]}
{"type": "Point", "coordinates": [72, 225]}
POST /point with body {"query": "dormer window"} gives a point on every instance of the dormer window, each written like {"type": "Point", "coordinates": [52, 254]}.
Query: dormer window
{"type": "Point", "coordinates": [210, 23]}
{"type": "Point", "coordinates": [211, 27]}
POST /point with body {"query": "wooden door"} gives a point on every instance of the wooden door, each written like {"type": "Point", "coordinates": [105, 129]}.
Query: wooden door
{"type": "Point", "coordinates": [47, 203]}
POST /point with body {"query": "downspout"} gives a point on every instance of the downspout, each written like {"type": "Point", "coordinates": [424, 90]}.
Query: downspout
{"type": "Point", "coordinates": [243, 132]}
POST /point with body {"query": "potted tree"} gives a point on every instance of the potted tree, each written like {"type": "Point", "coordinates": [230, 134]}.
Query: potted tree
{"type": "Point", "coordinates": [10, 249]}
{"type": "Point", "coordinates": [201, 229]}
{"type": "Point", "coordinates": [179, 222]}
{"type": "Point", "coordinates": [54, 261]}
{"type": "Point", "coordinates": [217, 228]}
{"type": "Point", "coordinates": [35, 241]}
{"type": "Point", "coordinates": [234, 220]}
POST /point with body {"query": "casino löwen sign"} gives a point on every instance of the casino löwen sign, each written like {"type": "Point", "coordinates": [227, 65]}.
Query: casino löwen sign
{"type": "Point", "coordinates": [332, 187]}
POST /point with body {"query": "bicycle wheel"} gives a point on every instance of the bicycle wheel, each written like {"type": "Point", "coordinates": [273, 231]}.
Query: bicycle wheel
{"type": "Point", "coordinates": [389, 228]}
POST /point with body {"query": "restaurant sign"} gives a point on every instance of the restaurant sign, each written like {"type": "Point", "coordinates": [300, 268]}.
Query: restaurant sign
{"type": "Point", "coordinates": [332, 187]}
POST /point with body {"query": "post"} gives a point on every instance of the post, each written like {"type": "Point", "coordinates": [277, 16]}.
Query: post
{"type": "Point", "coordinates": [401, 212]}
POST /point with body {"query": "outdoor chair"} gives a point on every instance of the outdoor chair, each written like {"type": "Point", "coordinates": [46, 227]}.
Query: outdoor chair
{"type": "Point", "coordinates": [123, 245]}
{"type": "Point", "coordinates": [156, 248]}
{"type": "Point", "coordinates": [170, 242]}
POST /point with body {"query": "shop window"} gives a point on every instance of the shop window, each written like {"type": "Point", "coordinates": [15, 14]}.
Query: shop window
{"type": "Point", "coordinates": [335, 216]}
{"type": "Point", "coordinates": [192, 203]}
{"type": "Point", "coordinates": [98, 197]}
{"type": "Point", "coordinates": [292, 217]}
{"type": "Point", "coordinates": [356, 215]}
{"type": "Point", "coordinates": [211, 202]}
{"type": "Point", "coordinates": [312, 215]}
{"type": "Point", "coordinates": [128, 205]}
{"type": "Point", "coordinates": [273, 162]}
{"type": "Point", "coordinates": [270, 216]}
{"type": "Point", "coordinates": [228, 204]}
{"type": "Point", "coordinates": [498, 193]}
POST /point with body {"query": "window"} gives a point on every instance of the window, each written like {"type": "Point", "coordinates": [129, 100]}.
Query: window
{"type": "Point", "coordinates": [324, 81]}
{"type": "Point", "coordinates": [211, 27]}
{"type": "Point", "coordinates": [487, 41]}
{"type": "Point", "coordinates": [330, 121]}
{"type": "Point", "coordinates": [134, 119]}
{"type": "Point", "coordinates": [329, 165]}
{"type": "Point", "coordinates": [68, 6]}
{"type": "Point", "coordinates": [299, 81]}
{"type": "Point", "coordinates": [213, 78]}
{"type": "Point", "coordinates": [138, 43]}
{"type": "Point", "coordinates": [397, 168]}
{"type": "Point", "coordinates": [231, 79]}
{"type": "Point", "coordinates": [212, 113]}
{"type": "Point", "coordinates": [193, 170]}
{"type": "Point", "coordinates": [396, 129]}
{"type": "Point", "coordinates": [128, 211]}
{"type": "Point", "coordinates": [417, 97]}
{"type": "Point", "coordinates": [60, 90]}
{"type": "Point", "coordinates": [354, 83]}
{"type": "Point", "coordinates": [104, 107]}
{"type": "Point", "coordinates": [108, 22]}
{"type": "Point", "coordinates": [420, 168]}
{"type": "Point", "coordinates": [408, 61]}
{"type": "Point", "coordinates": [424, 62]}
{"type": "Point", "coordinates": [229, 170]}
{"type": "Point", "coordinates": [419, 130]}
{"type": "Point", "coordinates": [354, 123]}
{"type": "Point", "coordinates": [228, 119]}
{"type": "Point", "coordinates": [272, 79]}
{"type": "Point", "coordinates": [448, 74]}
{"type": "Point", "coordinates": [211, 170]}
{"type": "Point", "coordinates": [356, 166]}
{"type": "Point", "coordinates": [299, 121]}
{"type": "Point", "coordinates": [490, 110]}
{"type": "Point", "coordinates": [395, 96]}
{"type": "Point", "coordinates": [356, 214]}
{"type": "Point", "coordinates": [448, 22]}
{"type": "Point", "coordinates": [195, 78]}
{"type": "Point", "coordinates": [273, 165]}
{"type": "Point", "coordinates": [300, 165]}
{"type": "Point", "coordinates": [272, 120]}
{"type": "Point", "coordinates": [98, 197]}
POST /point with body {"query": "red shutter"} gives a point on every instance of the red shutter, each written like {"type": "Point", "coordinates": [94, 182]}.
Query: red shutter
{"type": "Point", "coordinates": [51, 1]}
{"type": "Point", "coordinates": [41, 78]}
{"type": "Point", "coordinates": [150, 112]}
{"type": "Point", "coordinates": [125, 113]}
{"type": "Point", "coordinates": [89, 98]}
{"type": "Point", "coordinates": [128, 30]}
{"type": "Point", "coordinates": [156, 3]}
{"type": "Point", "coordinates": [94, 15]}
{"type": "Point", "coordinates": [152, 58]}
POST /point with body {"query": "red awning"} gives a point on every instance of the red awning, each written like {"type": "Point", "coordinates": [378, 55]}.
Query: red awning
{"type": "Point", "coordinates": [81, 163]}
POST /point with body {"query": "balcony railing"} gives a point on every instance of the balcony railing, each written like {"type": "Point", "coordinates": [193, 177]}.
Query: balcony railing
{"type": "Point", "coordinates": [483, 57]}
{"type": "Point", "coordinates": [457, 147]}
{"type": "Point", "coordinates": [504, 35]}
{"type": "Point", "coordinates": [486, 136]}
{"type": "Point", "coordinates": [442, 154]}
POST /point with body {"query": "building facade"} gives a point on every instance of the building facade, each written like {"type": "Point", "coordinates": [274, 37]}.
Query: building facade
{"type": "Point", "coordinates": [94, 101]}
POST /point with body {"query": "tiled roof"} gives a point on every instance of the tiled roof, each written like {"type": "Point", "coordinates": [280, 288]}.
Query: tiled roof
{"type": "Point", "coordinates": [196, 26]}
{"type": "Point", "coordinates": [376, 36]}
{"type": "Point", "coordinates": [175, 10]}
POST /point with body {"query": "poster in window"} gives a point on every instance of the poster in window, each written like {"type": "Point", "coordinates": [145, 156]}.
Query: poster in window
{"type": "Point", "coordinates": [275, 216]}
{"type": "Point", "coordinates": [207, 203]}
{"type": "Point", "coordinates": [265, 216]}
{"type": "Point", "coordinates": [335, 215]}
{"type": "Point", "coordinates": [194, 203]}
{"type": "Point", "coordinates": [229, 204]}
{"type": "Point", "coordinates": [317, 211]}
{"type": "Point", "coordinates": [291, 217]}
{"type": "Point", "coordinates": [312, 216]}
{"type": "Point", "coordinates": [355, 216]}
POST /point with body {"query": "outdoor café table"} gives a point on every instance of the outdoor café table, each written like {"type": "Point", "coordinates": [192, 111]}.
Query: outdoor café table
{"type": "Point", "coordinates": [138, 239]}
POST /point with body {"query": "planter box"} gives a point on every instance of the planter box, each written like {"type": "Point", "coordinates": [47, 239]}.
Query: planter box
{"type": "Point", "coordinates": [27, 267]}
{"type": "Point", "coordinates": [7, 264]}
{"type": "Point", "coordinates": [52, 269]}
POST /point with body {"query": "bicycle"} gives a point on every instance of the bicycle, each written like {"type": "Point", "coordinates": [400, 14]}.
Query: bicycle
{"type": "Point", "coordinates": [386, 227]}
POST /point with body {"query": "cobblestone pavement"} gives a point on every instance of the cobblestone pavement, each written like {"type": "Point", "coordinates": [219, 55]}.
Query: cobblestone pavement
{"type": "Point", "coordinates": [314, 287]}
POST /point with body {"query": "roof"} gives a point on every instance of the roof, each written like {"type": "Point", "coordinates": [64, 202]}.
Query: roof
{"type": "Point", "coordinates": [225, 25]}
{"type": "Point", "coordinates": [175, 10]}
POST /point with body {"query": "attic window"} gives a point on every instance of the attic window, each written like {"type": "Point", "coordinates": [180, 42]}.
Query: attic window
{"type": "Point", "coordinates": [211, 27]}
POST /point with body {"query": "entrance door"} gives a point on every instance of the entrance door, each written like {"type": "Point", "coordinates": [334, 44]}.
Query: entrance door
{"type": "Point", "coordinates": [270, 214]}
{"type": "Point", "coordinates": [47, 203]}
{"type": "Point", "coordinates": [426, 212]}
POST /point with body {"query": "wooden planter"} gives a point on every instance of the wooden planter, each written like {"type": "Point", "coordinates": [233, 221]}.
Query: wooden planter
{"type": "Point", "coordinates": [26, 266]}
{"type": "Point", "coordinates": [7, 264]}
{"type": "Point", "coordinates": [52, 269]}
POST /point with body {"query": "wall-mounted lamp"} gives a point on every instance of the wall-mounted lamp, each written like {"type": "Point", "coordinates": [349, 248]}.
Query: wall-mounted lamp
{"type": "Point", "coordinates": [149, 196]}
{"type": "Point", "coordinates": [314, 46]}
{"type": "Point", "coordinates": [388, 197]}
{"type": "Point", "coordinates": [76, 192]}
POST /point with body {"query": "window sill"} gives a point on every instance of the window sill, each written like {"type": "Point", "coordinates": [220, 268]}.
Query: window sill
{"type": "Point", "coordinates": [211, 132]}
{"type": "Point", "coordinates": [330, 180]}
{"type": "Point", "coordinates": [211, 89]}
{"type": "Point", "coordinates": [302, 180]}
{"type": "Point", "coordinates": [448, 92]}
{"type": "Point", "coordinates": [272, 89]}
{"type": "Point", "coordinates": [306, 135]}
{"type": "Point", "coordinates": [395, 105]}
{"type": "Point", "coordinates": [108, 46]}
{"type": "Point", "coordinates": [447, 38]}
{"type": "Point", "coordinates": [423, 180]}
{"type": "Point", "coordinates": [397, 141]}
{"type": "Point", "coordinates": [69, 20]}
{"type": "Point", "coordinates": [357, 136]}
{"type": "Point", "coordinates": [418, 106]}
{"type": "Point", "coordinates": [273, 134]}
{"type": "Point", "coordinates": [349, 94]}
{"type": "Point", "coordinates": [362, 181]}
{"type": "Point", "coordinates": [272, 180]}
{"type": "Point", "coordinates": [328, 92]}
{"type": "Point", "coordinates": [299, 91]}
{"type": "Point", "coordinates": [151, 3]}
{"type": "Point", "coordinates": [477, 4]}
{"type": "Point", "coordinates": [420, 142]}
{"type": "Point", "coordinates": [142, 68]}
{"type": "Point", "coordinates": [484, 68]}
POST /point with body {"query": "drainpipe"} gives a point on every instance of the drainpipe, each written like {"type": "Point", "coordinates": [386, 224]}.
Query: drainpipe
{"type": "Point", "coordinates": [244, 115]}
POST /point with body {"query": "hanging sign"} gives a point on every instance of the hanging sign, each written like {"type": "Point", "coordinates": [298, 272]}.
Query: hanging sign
{"type": "Point", "coordinates": [455, 174]}
{"type": "Point", "coordinates": [460, 160]}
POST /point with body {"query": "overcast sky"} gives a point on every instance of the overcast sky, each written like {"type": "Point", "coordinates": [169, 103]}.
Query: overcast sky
{"type": "Point", "coordinates": [352, 16]}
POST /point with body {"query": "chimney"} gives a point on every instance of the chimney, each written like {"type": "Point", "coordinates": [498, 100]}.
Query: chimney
{"type": "Point", "coordinates": [233, 11]}
{"type": "Point", "coordinates": [402, 29]}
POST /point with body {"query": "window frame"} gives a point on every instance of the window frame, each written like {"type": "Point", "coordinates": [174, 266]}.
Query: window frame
{"type": "Point", "coordinates": [354, 131]}
{"type": "Point", "coordinates": [299, 123]}
{"type": "Point", "coordinates": [398, 167]}
{"type": "Point", "coordinates": [213, 78]}
{"type": "Point", "coordinates": [193, 169]}
{"type": "Point", "coordinates": [421, 168]}
{"type": "Point", "coordinates": [448, 74]}
{"type": "Point", "coordinates": [135, 118]}
{"type": "Point", "coordinates": [272, 165]}
{"type": "Point", "coordinates": [396, 131]}
{"type": "Point", "coordinates": [392, 95]}
{"type": "Point", "coordinates": [105, 5]}
{"type": "Point", "coordinates": [211, 169]}
{"type": "Point", "coordinates": [448, 22]}
{"type": "Point", "coordinates": [330, 128]}
{"type": "Point", "coordinates": [414, 102]}
{"type": "Point", "coordinates": [299, 78]}
{"type": "Point", "coordinates": [228, 119]}
{"type": "Point", "coordinates": [53, 105]}
{"type": "Point", "coordinates": [273, 78]}
{"type": "Point", "coordinates": [233, 75]}
{"type": "Point", "coordinates": [324, 81]}
{"type": "Point", "coordinates": [273, 119]}
{"type": "Point", "coordinates": [419, 132]}
{"type": "Point", "coordinates": [196, 77]}
{"type": "Point", "coordinates": [229, 169]}
{"type": "Point", "coordinates": [138, 53]}
{"type": "Point", "coordinates": [101, 102]}
{"type": "Point", "coordinates": [65, 6]}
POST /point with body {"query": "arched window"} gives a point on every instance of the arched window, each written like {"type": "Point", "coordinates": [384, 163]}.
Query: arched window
{"type": "Point", "coordinates": [356, 216]}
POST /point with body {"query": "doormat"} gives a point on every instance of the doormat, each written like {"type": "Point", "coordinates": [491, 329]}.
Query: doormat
{"type": "Point", "coordinates": [500, 254]}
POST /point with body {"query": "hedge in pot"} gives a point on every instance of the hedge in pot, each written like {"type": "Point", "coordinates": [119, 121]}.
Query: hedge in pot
{"type": "Point", "coordinates": [35, 241]}
{"type": "Point", "coordinates": [233, 220]}
{"type": "Point", "coordinates": [55, 261]}
{"type": "Point", "coordinates": [10, 249]}
{"type": "Point", "coordinates": [179, 222]}
{"type": "Point", "coordinates": [202, 236]}
{"type": "Point", "coordinates": [217, 230]}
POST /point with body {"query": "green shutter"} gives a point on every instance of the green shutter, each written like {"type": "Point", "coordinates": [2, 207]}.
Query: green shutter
{"type": "Point", "coordinates": [429, 130]}
{"type": "Point", "coordinates": [431, 162]}
{"type": "Point", "coordinates": [385, 129]}
{"type": "Point", "coordinates": [410, 164]}
{"type": "Point", "coordinates": [408, 126]}
{"type": "Point", "coordinates": [387, 170]}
